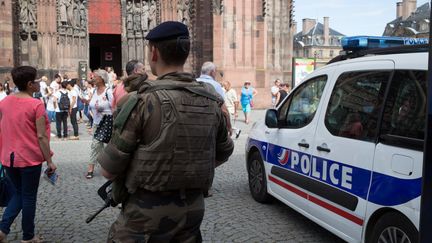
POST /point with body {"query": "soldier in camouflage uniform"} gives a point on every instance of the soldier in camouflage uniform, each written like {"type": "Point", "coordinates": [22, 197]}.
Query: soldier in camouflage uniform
{"type": "Point", "coordinates": [168, 138]}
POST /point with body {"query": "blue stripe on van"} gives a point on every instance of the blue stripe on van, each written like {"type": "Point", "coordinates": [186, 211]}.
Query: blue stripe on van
{"type": "Point", "coordinates": [390, 191]}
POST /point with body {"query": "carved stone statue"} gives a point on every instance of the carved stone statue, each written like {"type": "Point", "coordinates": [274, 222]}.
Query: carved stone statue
{"type": "Point", "coordinates": [27, 15]}
{"type": "Point", "coordinates": [32, 13]}
{"type": "Point", "coordinates": [76, 14]}
{"type": "Point", "coordinates": [69, 11]}
{"type": "Point", "coordinates": [63, 11]}
{"type": "Point", "coordinates": [137, 17]}
{"type": "Point", "coordinates": [83, 16]}
{"type": "Point", "coordinates": [145, 17]}
{"type": "Point", "coordinates": [152, 19]}
{"type": "Point", "coordinates": [23, 16]}
{"type": "Point", "coordinates": [129, 15]}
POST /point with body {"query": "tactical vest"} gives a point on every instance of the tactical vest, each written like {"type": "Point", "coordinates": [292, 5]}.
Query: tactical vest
{"type": "Point", "coordinates": [183, 155]}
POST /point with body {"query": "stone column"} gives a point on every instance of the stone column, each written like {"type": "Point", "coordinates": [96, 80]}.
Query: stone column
{"type": "Point", "coordinates": [46, 34]}
{"type": "Point", "coordinates": [219, 31]}
{"type": "Point", "coordinates": [7, 40]}
{"type": "Point", "coordinates": [261, 40]}
{"type": "Point", "coordinates": [202, 33]}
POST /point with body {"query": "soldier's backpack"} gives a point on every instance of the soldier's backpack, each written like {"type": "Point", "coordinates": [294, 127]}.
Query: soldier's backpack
{"type": "Point", "coordinates": [64, 102]}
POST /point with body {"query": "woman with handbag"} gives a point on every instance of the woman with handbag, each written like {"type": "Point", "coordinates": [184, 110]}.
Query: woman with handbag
{"type": "Point", "coordinates": [100, 106]}
{"type": "Point", "coordinates": [22, 156]}
{"type": "Point", "coordinates": [246, 99]}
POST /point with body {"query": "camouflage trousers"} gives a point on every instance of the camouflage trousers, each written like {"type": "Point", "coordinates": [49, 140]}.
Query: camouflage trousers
{"type": "Point", "coordinates": [159, 217]}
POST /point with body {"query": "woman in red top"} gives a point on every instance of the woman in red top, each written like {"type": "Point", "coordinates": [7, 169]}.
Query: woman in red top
{"type": "Point", "coordinates": [24, 146]}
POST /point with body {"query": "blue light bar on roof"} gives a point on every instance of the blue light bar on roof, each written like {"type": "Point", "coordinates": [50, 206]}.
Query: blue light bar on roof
{"type": "Point", "coordinates": [356, 43]}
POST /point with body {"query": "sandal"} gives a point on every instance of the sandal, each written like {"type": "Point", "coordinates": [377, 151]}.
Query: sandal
{"type": "Point", "coordinates": [36, 239]}
{"type": "Point", "coordinates": [89, 175]}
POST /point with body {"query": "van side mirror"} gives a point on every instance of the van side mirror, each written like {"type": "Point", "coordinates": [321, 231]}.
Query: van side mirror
{"type": "Point", "coordinates": [271, 118]}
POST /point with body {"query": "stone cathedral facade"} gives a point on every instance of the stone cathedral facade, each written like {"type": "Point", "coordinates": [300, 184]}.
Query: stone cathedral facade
{"type": "Point", "coordinates": [248, 40]}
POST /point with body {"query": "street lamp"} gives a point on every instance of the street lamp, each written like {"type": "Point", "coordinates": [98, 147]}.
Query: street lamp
{"type": "Point", "coordinates": [315, 59]}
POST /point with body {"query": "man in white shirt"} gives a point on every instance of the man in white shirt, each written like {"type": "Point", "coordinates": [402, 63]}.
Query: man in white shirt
{"type": "Point", "coordinates": [274, 91]}
{"type": "Point", "coordinates": [208, 75]}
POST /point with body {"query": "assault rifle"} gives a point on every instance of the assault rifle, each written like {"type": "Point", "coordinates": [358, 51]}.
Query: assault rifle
{"type": "Point", "coordinates": [105, 192]}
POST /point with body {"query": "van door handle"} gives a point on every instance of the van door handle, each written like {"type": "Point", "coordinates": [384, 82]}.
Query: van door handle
{"type": "Point", "coordinates": [304, 145]}
{"type": "Point", "coordinates": [323, 149]}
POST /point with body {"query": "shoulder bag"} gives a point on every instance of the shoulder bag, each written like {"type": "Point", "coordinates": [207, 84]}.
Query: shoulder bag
{"type": "Point", "coordinates": [7, 189]}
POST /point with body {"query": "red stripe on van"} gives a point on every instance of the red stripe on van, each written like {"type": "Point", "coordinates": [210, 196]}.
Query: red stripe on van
{"type": "Point", "coordinates": [318, 201]}
{"type": "Point", "coordinates": [336, 210]}
{"type": "Point", "coordinates": [288, 187]}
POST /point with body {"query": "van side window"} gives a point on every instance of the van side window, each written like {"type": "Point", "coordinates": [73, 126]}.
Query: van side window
{"type": "Point", "coordinates": [299, 109]}
{"type": "Point", "coordinates": [405, 108]}
{"type": "Point", "coordinates": [355, 104]}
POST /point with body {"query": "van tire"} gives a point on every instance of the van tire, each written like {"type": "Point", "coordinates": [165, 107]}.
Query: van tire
{"type": "Point", "coordinates": [257, 179]}
{"type": "Point", "coordinates": [393, 222]}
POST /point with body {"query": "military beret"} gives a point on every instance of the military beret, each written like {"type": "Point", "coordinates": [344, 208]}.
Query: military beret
{"type": "Point", "coordinates": [167, 31]}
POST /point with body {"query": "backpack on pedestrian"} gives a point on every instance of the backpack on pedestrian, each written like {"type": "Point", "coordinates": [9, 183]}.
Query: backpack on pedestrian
{"type": "Point", "coordinates": [64, 102]}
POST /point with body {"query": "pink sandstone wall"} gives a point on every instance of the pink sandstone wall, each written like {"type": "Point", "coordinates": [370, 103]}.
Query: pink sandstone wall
{"type": "Point", "coordinates": [250, 47]}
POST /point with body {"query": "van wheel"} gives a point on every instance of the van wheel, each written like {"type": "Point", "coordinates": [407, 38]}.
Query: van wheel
{"type": "Point", "coordinates": [257, 179]}
{"type": "Point", "coordinates": [394, 227]}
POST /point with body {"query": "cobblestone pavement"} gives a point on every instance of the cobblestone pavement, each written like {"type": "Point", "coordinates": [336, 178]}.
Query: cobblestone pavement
{"type": "Point", "coordinates": [231, 213]}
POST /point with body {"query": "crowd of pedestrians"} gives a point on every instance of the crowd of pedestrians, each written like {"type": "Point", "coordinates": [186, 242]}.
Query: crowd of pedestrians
{"type": "Point", "coordinates": [73, 100]}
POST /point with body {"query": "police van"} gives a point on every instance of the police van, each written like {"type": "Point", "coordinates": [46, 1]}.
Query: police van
{"type": "Point", "coordinates": [345, 147]}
